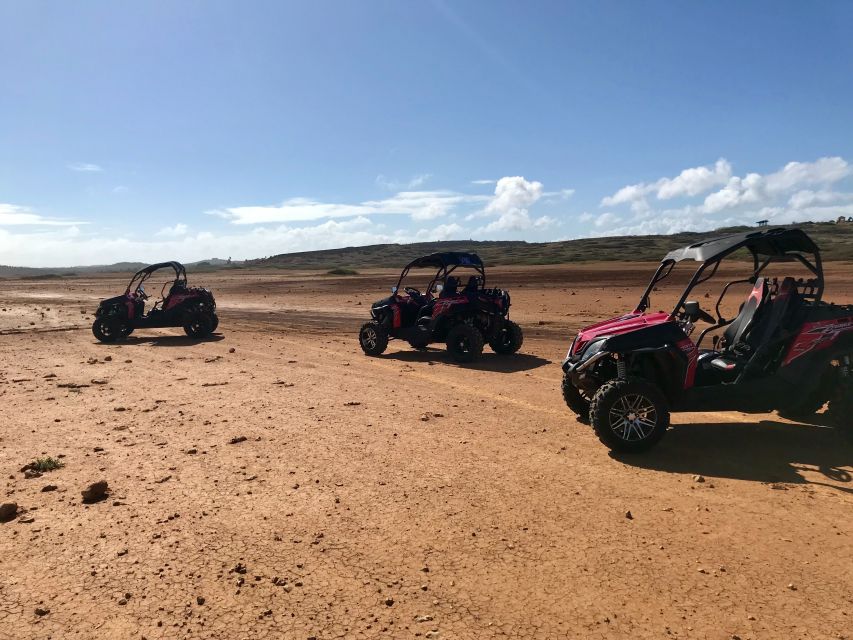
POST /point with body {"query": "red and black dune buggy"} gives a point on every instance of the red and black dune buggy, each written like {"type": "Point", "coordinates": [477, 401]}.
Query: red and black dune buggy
{"type": "Point", "coordinates": [463, 317]}
{"type": "Point", "coordinates": [192, 308]}
{"type": "Point", "coordinates": [785, 350]}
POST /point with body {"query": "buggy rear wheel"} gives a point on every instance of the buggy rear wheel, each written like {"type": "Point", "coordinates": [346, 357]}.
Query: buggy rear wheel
{"type": "Point", "coordinates": [840, 409]}
{"type": "Point", "coordinates": [215, 322]}
{"type": "Point", "coordinates": [508, 340]}
{"type": "Point", "coordinates": [373, 338]}
{"type": "Point", "coordinates": [108, 330]}
{"type": "Point", "coordinates": [199, 325]}
{"type": "Point", "coordinates": [629, 415]}
{"type": "Point", "coordinates": [576, 400]}
{"type": "Point", "coordinates": [465, 343]}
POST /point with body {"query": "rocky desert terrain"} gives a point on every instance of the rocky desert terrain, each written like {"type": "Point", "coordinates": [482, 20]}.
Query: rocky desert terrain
{"type": "Point", "coordinates": [273, 482]}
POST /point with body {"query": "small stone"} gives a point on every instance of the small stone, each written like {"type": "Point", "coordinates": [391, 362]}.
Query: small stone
{"type": "Point", "coordinates": [8, 511]}
{"type": "Point", "coordinates": [108, 359]}
{"type": "Point", "coordinates": [629, 515]}
{"type": "Point", "coordinates": [424, 417]}
{"type": "Point", "coordinates": [199, 600]}
{"type": "Point", "coordinates": [42, 612]}
{"type": "Point", "coordinates": [122, 602]}
{"type": "Point", "coordinates": [237, 439]}
{"type": "Point", "coordinates": [389, 602]}
{"type": "Point", "coordinates": [49, 487]}
{"type": "Point", "coordinates": [698, 479]}
{"type": "Point", "coordinates": [95, 492]}
{"type": "Point", "coordinates": [29, 474]}
{"type": "Point", "coordinates": [192, 451]}
{"type": "Point", "coordinates": [792, 586]}
{"type": "Point", "coordinates": [232, 350]}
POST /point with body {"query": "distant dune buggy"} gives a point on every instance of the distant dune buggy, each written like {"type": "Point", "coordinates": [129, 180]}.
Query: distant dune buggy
{"type": "Point", "coordinates": [785, 350]}
{"type": "Point", "coordinates": [192, 308]}
{"type": "Point", "coordinates": [463, 317]}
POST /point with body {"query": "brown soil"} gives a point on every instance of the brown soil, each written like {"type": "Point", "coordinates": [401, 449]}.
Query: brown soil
{"type": "Point", "coordinates": [397, 497]}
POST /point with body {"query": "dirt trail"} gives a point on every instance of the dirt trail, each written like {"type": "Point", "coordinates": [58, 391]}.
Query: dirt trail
{"type": "Point", "coordinates": [395, 497]}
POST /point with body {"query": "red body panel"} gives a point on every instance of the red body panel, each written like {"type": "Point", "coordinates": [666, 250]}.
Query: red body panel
{"type": "Point", "coordinates": [817, 335]}
{"type": "Point", "coordinates": [622, 324]}
{"type": "Point", "coordinates": [692, 352]}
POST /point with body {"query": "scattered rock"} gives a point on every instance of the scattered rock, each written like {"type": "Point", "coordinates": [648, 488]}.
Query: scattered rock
{"type": "Point", "coordinates": [8, 511]}
{"type": "Point", "coordinates": [192, 451]}
{"type": "Point", "coordinates": [232, 350]}
{"type": "Point", "coordinates": [389, 602]}
{"type": "Point", "coordinates": [49, 487]}
{"type": "Point", "coordinates": [425, 417]}
{"type": "Point", "coordinates": [629, 515]}
{"type": "Point", "coordinates": [351, 403]}
{"type": "Point", "coordinates": [42, 612]}
{"type": "Point", "coordinates": [792, 586]}
{"type": "Point", "coordinates": [199, 600]}
{"type": "Point", "coordinates": [31, 473]}
{"type": "Point", "coordinates": [95, 492]}
{"type": "Point", "coordinates": [237, 439]}
{"type": "Point", "coordinates": [108, 359]}
{"type": "Point", "coordinates": [698, 478]}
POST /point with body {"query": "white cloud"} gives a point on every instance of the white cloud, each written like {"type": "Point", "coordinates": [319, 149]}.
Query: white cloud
{"type": "Point", "coordinates": [807, 198]}
{"type": "Point", "coordinates": [755, 188]}
{"type": "Point", "coordinates": [86, 167]}
{"type": "Point", "coordinates": [690, 182]}
{"type": "Point", "coordinates": [420, 205]}
{"type": "Point", "coordinates": [586, 216]}
{"type": "Point", "coordinates": [607, 219]}
{"type": "Point", "coordinates": [14, 215]}
{"type": "Point", "coordinates": [514, 195]}
{"type": "Point", "coordinates": [483, 181]}
{"type": "Point", "coordinates": [180, 229]}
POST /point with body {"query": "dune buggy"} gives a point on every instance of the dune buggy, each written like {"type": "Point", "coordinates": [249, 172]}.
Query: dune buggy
{"type": "Point", "coordinates": [785, 350]}
{"type": "Point", "coordinates": [192, 308]}
{"type": "Point", "coordinates": [463, 317]}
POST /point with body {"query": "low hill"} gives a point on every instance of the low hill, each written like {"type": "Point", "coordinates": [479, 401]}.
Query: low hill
{"type": "Point", "coordinates": [835, 241]}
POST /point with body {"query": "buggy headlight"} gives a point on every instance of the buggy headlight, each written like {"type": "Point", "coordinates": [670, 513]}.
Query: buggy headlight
{"type": "Point", "coordinates": [592, 348]}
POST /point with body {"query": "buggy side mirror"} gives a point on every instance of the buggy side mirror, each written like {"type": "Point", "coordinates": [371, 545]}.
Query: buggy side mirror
{"type": "Point", "coordinates": [691, 311]}
{"type": "Point", "coordinates": [393, 290]}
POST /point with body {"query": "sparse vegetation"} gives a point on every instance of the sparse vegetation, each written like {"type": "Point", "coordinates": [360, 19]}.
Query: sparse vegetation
{"type": "Point", "coordinates": [42, 465]}
{"type": "Point", "coordinates": [342, 271]}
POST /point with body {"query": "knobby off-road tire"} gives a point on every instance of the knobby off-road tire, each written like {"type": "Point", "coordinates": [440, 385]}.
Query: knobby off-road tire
{"type": "Point", "coordinates": [373, 338]}
{"type": "Point", "coordinates": [840, 409]}
{"type": "Point", "coordinates": [508, 340]}
{"type": "Point", "coordinates": [575, 399]}
{"type": "Point", "coordinates": [215, 322]}
{"type": "Point", "coordinates": [108, 330]}
{"type": "Point", "coordinates": [465, 343]}
{"type": "Point", "coordinates": [198, 325]}
{"type": "Point", "coordinates": [805, 408]}
{"type": "Point", "coordinates": [629, 415]}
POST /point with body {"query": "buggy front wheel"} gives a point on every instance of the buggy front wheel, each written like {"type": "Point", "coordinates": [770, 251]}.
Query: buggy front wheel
{"type": "Point", "coordinates": [198, 325]}
{"type": "Point", "coordinates": [373, 338]}
{"type": "Point", "coordinates": [107, 330]}
{"type": "Point", "coordinates": [629, 415]}
{"type": "Point", "coordinates": [508, 340]}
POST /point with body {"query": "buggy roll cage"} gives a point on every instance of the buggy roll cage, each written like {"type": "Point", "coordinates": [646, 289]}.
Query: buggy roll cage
{"type": "Point", "coordinates": [446, 263]}
{"type": "Point", "coordinates": [143, 274]}
{"type": "Point", "coordinates": [766, 247]}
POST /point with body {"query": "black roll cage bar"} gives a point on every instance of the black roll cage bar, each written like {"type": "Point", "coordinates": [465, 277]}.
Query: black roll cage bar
{"type": "Point", "coordinates": [444, 271]}
{"type": "Point", "coordinates": [143, 274]}
{"type": "Point", "coordinates": [667, 264]}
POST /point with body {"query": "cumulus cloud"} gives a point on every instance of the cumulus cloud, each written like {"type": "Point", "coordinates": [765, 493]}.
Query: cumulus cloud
{"type": "Point", "coordinates": [514, 195]}
{"type": "Point", "coordinates": [781, 197]}
{"type": "Point", "coordinates": [14, 215]}
{"type": "Point", "coordinates": [85, 167]}
{"type": "Point", "coordinates": [690, 182]}
{"type": "Point", "coordinates": [483, 181]}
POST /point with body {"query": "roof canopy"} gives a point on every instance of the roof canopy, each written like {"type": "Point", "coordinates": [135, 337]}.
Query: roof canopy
{"type": "Point", "coordinates": [447, 259]}
{"type": "Point", "coordinates": [177, 266]}
{"type": "Point", "coordinates": [774, 242]}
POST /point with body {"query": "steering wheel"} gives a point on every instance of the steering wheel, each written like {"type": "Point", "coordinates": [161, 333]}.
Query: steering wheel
{"type": "Point", "coordinates": [412, 292]}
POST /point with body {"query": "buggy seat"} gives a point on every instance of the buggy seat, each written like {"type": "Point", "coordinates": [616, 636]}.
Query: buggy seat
{"type": "Point", "coordinates": [761, 319]}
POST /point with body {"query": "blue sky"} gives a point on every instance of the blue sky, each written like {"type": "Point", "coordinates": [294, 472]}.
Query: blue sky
{"type": "Point", "coordinates": [188, 130]}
